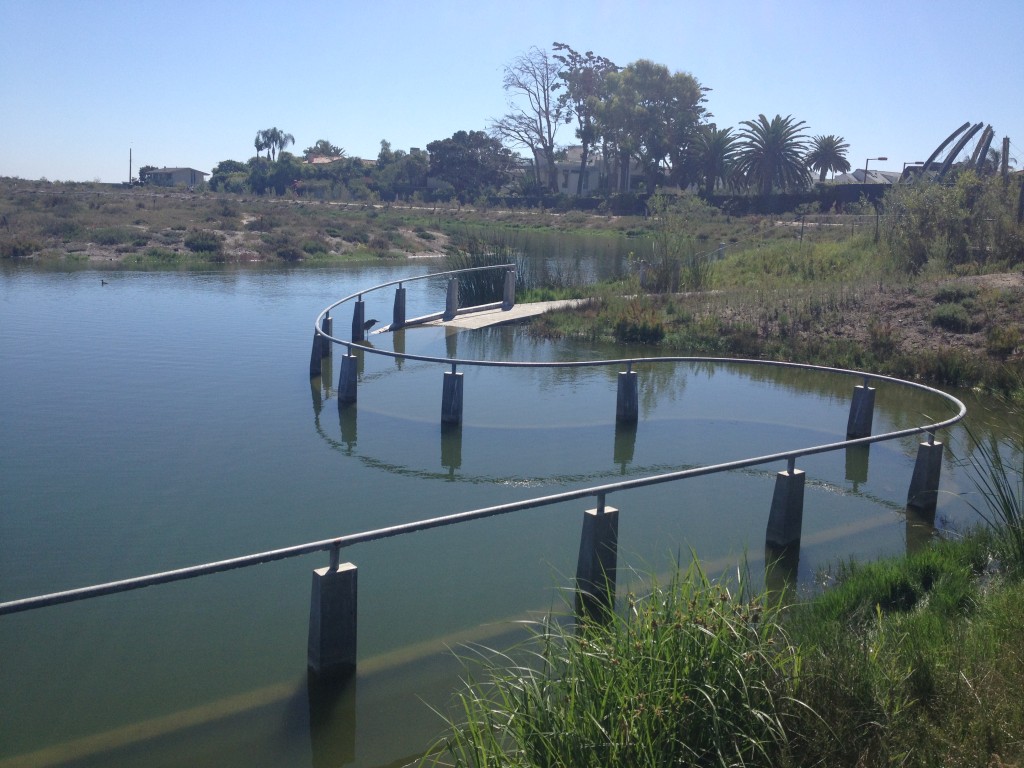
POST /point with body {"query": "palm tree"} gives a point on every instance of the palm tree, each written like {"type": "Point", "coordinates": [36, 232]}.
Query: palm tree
{"type": "Point", "coordinates": [772, 153]}
{"type": "Point", "coordinates": [714, 157]}
{"type": "Point", "coordinates": [273, 140]}
{"type": "Point", "coordinates": [828, 155]}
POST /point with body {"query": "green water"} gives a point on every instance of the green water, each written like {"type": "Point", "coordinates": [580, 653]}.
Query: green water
{"type": "Point", "coordinates": [166, 420]}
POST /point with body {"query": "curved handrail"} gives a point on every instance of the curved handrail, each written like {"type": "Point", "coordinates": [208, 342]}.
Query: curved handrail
{"type": "Point", "coordinates": [334, 545]}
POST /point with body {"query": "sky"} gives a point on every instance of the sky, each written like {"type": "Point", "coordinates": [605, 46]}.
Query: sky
{"type": "Point", "coordinates": [86, 83]}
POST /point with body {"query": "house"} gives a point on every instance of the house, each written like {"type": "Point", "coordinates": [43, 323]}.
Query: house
{"type": "Point", "coordinates": [873, 177]}
{"type": "Point", "coordinates": [174, 177]}
{"type": "Point", "coordinates": [596, 175]}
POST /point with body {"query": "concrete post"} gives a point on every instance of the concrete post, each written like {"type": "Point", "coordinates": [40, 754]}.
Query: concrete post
{"type": "Point", "coordinates": [358, 318]}
{"type": "Point", "coordinates": [595, 570]}
{"type": "Point", "coordinates": [924, 483]}
{"type": "Point", "coordinates": [332, 621]}
{"type": "Point", "coordinates": [451, 398]}
{"type": "Point", "coordinates": [327, 326]}
{"type": "Point", "coordinates": [627, 404]}
{"type": "Point", "coordinates": [509, 298]}
{"type": "Point", "coordinates": [398, 313]}
{"type": "Point", "coordinates": [452, 304]}
{"type": "Point", "coordinates": [787, 513]}
{"type": "Point", "coordinates": [316, 355]}
{"type": "Point", "coordinates": [862, 409]}
{"type": "Point", "coordinates": [347, 379]}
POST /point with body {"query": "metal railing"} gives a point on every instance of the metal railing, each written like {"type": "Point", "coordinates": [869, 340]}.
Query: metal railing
{"type": "Point", "coordinates": [597, 492]}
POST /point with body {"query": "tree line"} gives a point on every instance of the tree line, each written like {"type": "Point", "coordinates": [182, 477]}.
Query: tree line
{"type": "Point", "coordinates": [635, 128]}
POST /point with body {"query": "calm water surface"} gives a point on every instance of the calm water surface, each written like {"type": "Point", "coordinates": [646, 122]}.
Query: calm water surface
{"type": "Point", "coordinates": [167, 419]}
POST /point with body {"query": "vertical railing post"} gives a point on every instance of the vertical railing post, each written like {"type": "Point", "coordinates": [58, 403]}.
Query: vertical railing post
{"type": "Point", "coordinates": [347, 379]}
{"type": "Point", "coordinates": [451, 308]}
{"type": "Point", "coordinates": [451, 397]}
{"type": "Point", "coordinates": [358, 318]}
{"type": "Point", "coordinates": [627, 402]}
{"type": "Point", "coordinates": [332, 619]}
{"type": "Point", "coordinates": [595, 569]}
{"type": "Point", "coordinates": [787, 514]}
{"type": "Point", "coordinates": [862, 409]}
{"type": "Point", "coordinates": [508, 299]}
{"type": "Point", "coordinates": [398, 313]}
{"type": "Point", "coordinates": [924, 483]}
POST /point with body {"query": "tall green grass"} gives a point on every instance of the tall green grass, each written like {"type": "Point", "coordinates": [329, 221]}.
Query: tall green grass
{"type": "Point", "coordinates": [694, 673]}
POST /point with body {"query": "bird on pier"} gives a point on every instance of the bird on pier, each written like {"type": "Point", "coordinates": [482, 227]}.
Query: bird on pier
{"type": "Point", "coordinates": [368, 325]}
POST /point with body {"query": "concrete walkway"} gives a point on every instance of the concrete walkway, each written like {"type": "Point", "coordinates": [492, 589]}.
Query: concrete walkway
{"type": "Point", "coordinates": [518, 313]}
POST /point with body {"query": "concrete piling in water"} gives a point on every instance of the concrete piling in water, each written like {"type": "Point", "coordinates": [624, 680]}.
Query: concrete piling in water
{"type": "Point", "coordinates": [924, 483]}
{"type": "Point", "coordinates": [627, 402]}
{"type": "Point", "coordinates": [327, 326]}
{"type": "Point", "coordinates": [862, 409]}
{"type": "Point", "coordinates": [451, 308]}
{"type": "Point", "coordinates": [451, 398]}
{"type": "Point", "coordinates": [332, 620]}
{"type": "Point", "coordinates": [787, 514]}
{"type": "Point", "coordinates": [398, 312]}
{"type": "Point", "coordinates": [508, 299]}
{"type": "Point", "coordinates": [347, 379]}
{"type": "Point", "coordinates": [316, 355]}
{"type": "Point", "coordinates": [595, 569]}
{"type": "Point", "coordinates": [358, 319]}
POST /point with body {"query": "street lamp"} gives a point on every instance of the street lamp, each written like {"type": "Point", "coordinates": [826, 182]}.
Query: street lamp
{"type": "Point", "coordinates": [866, 166]}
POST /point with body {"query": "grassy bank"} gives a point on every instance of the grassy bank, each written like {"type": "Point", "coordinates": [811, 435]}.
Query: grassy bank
{"type": "Point", "coordinates": [910, 662]}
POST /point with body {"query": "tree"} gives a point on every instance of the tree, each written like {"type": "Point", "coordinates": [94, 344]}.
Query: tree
{"type": "Point", "coordinates": [584, 84]}
{"type": "Point", "coordinates": [772, 154]}
{"type": "Point", "coordinates": [651, 113]}
{"type": "Point", "coordinates": [828, 155]}
{"type": "Point", "coordinates": [322, 148]}
{"type": "Point", "coordinates": [229, 176]}
{"type": "Point", "coordinates": [536, 112]}
{"type": "Point", "coordinates": [400, 173]}
{"type": "Point", "coordinates": [713, 157]}
{"type": "Point", "coordinates": [272, 140]}
{"type": "Point", "coordinates": [470, 162]}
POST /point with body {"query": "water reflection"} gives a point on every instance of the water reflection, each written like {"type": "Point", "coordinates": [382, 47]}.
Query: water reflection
{"type": "Point", "coordinates": [857, 457]}
{"type": "Point", "coordinates": [625, 445]}
{"type": "Point", "coordinates": [451, 448]}
{"type": "Point", "coordinates": [332, 721]}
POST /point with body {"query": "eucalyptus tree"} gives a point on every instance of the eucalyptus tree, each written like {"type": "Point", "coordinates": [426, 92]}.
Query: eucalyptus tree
{"type": "Point", "coordinates": [828, 155]}
{"type": "Point", "coordinates": [536, 112]}
{"type": "Point", "coordinates": [584, 84]}
{"type": "Point", "coordinates": [650, 115]}
{"type": "Point", "coordinates": [772, 154]}
{"type": "Point", "coordinates": [713, 157]}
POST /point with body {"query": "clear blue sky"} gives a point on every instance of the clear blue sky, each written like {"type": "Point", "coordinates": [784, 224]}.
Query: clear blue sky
{"type": "Point", "coordinates": [190, 82]}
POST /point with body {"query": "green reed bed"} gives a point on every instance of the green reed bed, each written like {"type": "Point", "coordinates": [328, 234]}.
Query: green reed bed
{"type": "Point", "coordinates": [910, 661]}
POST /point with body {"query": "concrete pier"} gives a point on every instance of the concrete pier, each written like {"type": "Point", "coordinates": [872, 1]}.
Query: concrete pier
{"type": "Point", "coordinates": [509, 296]}
{"type": "Point", "coordinates": [358, 318]}
{"type": "Point", "coordinates": [327, 326]}
{"type": "Point", "coordinates": [787, 514]}
{"type": "Point", "coordinates": [316, 355]}
{"type": "Point", "coordinates": [862, 409]}
{"type": "Point", "coordinates": [595, 569]}
{"type": "Point", "coordinates": [332, 621]}
{"type": "Point", "coordinates": [347, 379]}
{"type": "Point", "coordinates": [451, 398]}
{"type": "Point", "coordinates": [924, 483]}
{"type": "Point", "coordinates": [398, 312]}
{"type": "Point", "coordinates": [627, 402]}
{"type": "Point", "coordinates": [451, 308]}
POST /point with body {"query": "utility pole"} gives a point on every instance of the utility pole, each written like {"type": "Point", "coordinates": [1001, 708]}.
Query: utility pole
{"type": "Point", "coordinates": [1005, 170]}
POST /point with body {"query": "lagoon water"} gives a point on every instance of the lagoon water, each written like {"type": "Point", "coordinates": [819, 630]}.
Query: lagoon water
{"type": "Point", "coordinates": [166, 419]}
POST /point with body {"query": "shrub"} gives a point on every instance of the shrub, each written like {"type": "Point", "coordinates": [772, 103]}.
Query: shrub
{"type": "Point", "coordinates": [1003, 341]}
{"type": "Point", "coordinates": [204, 241]}
{"type": "Point", "coordinates": [952, 317]}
